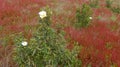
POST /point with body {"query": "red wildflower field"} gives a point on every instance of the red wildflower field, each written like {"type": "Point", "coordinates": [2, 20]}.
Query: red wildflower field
{"type": "Point", "coordinates": [100, 41]}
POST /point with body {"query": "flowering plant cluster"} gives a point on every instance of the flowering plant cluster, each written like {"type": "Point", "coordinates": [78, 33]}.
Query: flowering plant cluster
{"type": "Point", "coordinates": [92, 33]}
{"type": "Point", "coordinates": [46, 48]}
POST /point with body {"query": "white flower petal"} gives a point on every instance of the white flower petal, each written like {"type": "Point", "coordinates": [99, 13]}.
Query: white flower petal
{"type": "Point", "coordinates": [42, 14]}
{"type": "Point", "coordinates": [90, 18]}
{"type": "Point", "coordinates": [24, 43]}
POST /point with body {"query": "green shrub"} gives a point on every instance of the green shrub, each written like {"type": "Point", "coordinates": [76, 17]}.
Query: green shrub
{"type": "Point", "coordinates": [116, 10]}
{"type": "Point", "coordinates": [83, 16]}
{"type": "Point", "coordinates": [46, 48]}
{"type": "Point", "coordinates": [109, 4]}
{"type": "Point", "coordinates": [94, 3]}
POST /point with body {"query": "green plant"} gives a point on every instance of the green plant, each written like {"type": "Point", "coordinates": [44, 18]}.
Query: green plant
{"type": "Point", "coordinates": [46, 48]}
{"type": "Point", "coordinates": [109, 3]}
{"type": "Point", "coordinates": [116, 10]}
{"type": "Point", "coordinates": [94, 3]}
{"type": "Point", "coordinates": [83, 16]}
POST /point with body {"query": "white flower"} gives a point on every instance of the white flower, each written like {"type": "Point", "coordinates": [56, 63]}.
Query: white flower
{"type": "Point", "coordinates": [42, 14]}
{"type": "Point", "coordinates": [24, 43]}
{"type": "Point", "coordinates": [90, 18]}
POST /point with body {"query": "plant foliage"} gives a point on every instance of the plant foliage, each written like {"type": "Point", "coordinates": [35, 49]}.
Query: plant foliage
{"type": "Point", "coordinates": [82, 16]}
{"type": "Point", "coordinates": [46, 48]}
